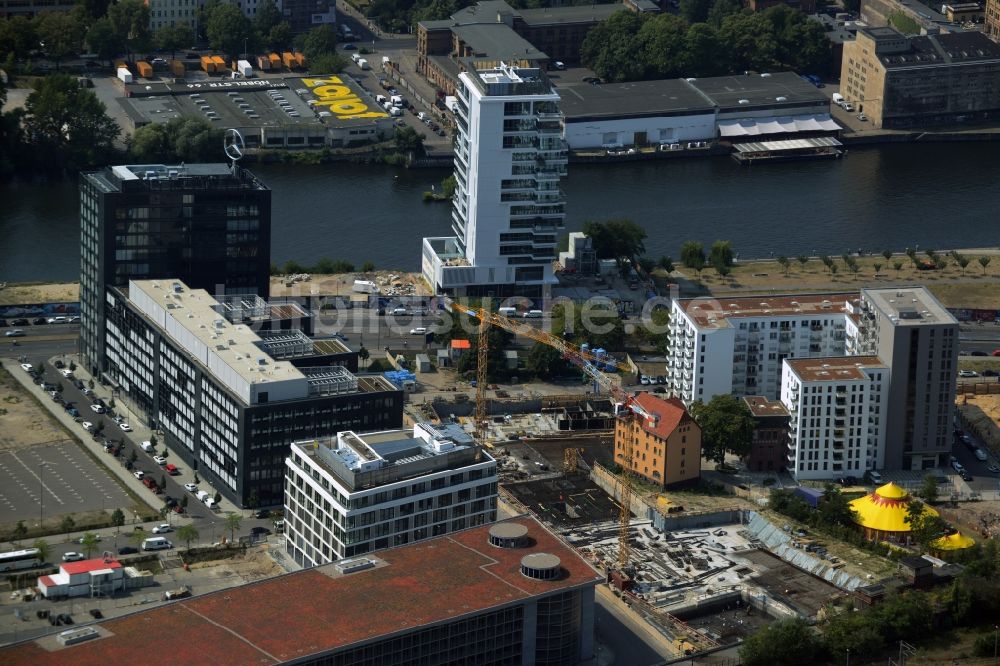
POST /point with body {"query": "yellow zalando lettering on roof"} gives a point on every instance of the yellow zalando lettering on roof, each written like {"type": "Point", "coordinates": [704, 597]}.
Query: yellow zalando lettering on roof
{"type": "Point", "coordinates": [342, 102]}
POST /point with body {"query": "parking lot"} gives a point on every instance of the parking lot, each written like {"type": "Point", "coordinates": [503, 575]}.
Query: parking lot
{"type": "Point", "coordinates": [54, 479]}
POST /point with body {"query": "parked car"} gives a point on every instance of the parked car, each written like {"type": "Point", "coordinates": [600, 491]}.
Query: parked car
{"type": "Point", "coordinates": [127, 550]}
{"type": "Point", "coordinates": [88, 426]}
{"type": "Point", "coordinates": [125, 427]}
{"type": "Point", "coordinates": [966, 476]}
{"type": "Point", "coordinates": [162, 529]}
{"type": "Point", "coordinates": [259, 530]}
{"type": "Point", "coordinates": [420, 330]}
{"type": "Point", "coordinates": [990, 373]}
{"type": "Point", "coordinates": [138, 474]}
{"type": "Point", "coordinates": [14, 333]}
{"type": "Point", "coordinates": [97, 409]}
{"type": "Point", "coordinates": [73, 556]}
{"type": "Point", "coordinates": [350, 47]}
{"type": "Point", "coordinates": [27, 367]}
{"type": "Point", "coordinates": [190, 487]}
{"type": "Point", "coordinates": [80, 540]}
{"type": "Point", "coordinates": [957, 466]}
{"type": "Point", "coordinates": [160, 460]}
{"type": "Point", "coordinates": [978, 352]}
{"type": "Point", "coordinates": [263, 513]}
{"type": "Point", "coordinates": [968, 373]}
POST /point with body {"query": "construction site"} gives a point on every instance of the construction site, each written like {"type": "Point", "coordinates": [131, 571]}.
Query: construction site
{"type": "Point", "coordinates": [705, 577]}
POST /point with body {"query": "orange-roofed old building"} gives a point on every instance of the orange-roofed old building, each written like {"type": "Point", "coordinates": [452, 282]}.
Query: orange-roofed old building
{"type": "Point", "coordinates": [665, 449]}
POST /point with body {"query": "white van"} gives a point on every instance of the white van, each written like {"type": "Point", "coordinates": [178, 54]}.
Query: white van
{"type": "Point", "coordinates": [210, 502]}
{"type": "Point", "coordinates": [156, 543]}
{"type": "Point", "coordinates": [422, 116]}
{"type": "Point", "coordinates": [202, 495]}
{"type": "Point", "coordinates": [147, 446]}
{"type": "Point", "coordinates": [533, 314]}
{"type": "Point", "coordinates": [396, 100]}
{"type": "Point", "coordinates": [355, 57]}
{"type": "Point", "coordinates": [838, 99]}
{"type": "Point", "coordinates": [380, 99]}
{"type": "Point", "coordinates": [507, 312]}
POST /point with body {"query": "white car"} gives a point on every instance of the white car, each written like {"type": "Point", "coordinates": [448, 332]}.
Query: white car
{"type": "Point", "coordinates": [190, 487]}
{"type": "Point", "coordinates": [147, 446]}
{"type": "Point", "coordinates": [66, 372]}
{"type": "Point", "coordinates": [88, 426]}
{"type": "Point", "coordinates": [160, 460]}
{"type": "Point", "coordinates": [162, 529]}
{"type": "Point", "coordinates": [420, 330]}
{"type": "Point", "coordinates": [26, 367]}
{"type": "Point", "coordinates": [80, 540]}
{"type": "Point", "coordinates": [86, 391]}
{"type": "Point", "coordinates": [73, 557]}
{"type": "Point", "coordinates": [97, 409]}
{"type": "Point", "coordinates": [125, 427]}
{"type": "Point", "coordinates": [58, 320]}
{"type": "Point", "coordinates": [968, 373]}
{"type": "Point", "coordinates": [138, 474]}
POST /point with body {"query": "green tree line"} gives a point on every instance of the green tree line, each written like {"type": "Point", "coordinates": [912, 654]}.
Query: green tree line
{"type": "Point", "coordinates": [707, 39]}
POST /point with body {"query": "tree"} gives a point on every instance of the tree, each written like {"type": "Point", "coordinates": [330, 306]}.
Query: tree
{"type": "Point", "coordinates": [693, 255]}
{"type": "Point", "coordinates": [407, 140]}
{"type": "Point", "coordinates": [727, 426]}
{"type": "Point", "coordinates": [69, 124]}
{"type": "Point", "coordinates": [833, 269]}
{"type": "Point", "coordinates": [133, 456]}
{"type": "Point", "coordinates": [130, 19]}
{"type": "Point", "coordinates": [280, 36]}
{"type": "Point", "coordinates": [177, 140]}
{"type": "Point", "coordinates": [368, 267]}
{"type": "Point", "coordinates": [89, 543]}
{"type": "Point", "coordinates": [327, 63]}
{"type": "Point", "coordinates": [704, 53]}
{"type": "Point", "coordinates": [187, 534]}
{"type": "Point", "coordinates": [782, 643]}
{"type": "Point", "coordinates": [751, 41]}
{"type": "Point", "coordinates": [878, 267]}
{"type": "Point", "coordinates": [218, 497]}
{"type": "Point", "coordinates": [984, 261]}
{"type": "Point", "coordinates": [20, 530]}
{"type": "Point", "coordinates": [721, 253]}
{"type": "Point", "coordinates": [42, 546]}
{"type": "Point", "coordinates": [59, 34]}
{"type": "Point", "coordinates": [18, 36]}
{"type": "Point", "coordinates": [267, 17]}
{"type": "Point", "coordinates": [174, 38]}
{"type": "Point", "coordinates": [618, 239]}
{"type": "Point", "coordinates": [104, 41]}
{"type": "Point", "coordinates": [610, 48]}
{"type": "Point", "coordinates": [137, 536]}
{"type": "Point", "coordinates": [184, 502]}
{"type": "Point", "coordinates": [232, 524]}
{"type": "Point", "coordinates": [546, 362]}
{"type": "Point", "coordinates": [67, 524]}
{"type": "Point", "coordinates": [720, 10]}
{"type": "Point", "coordinates": [363, 354]}
{"type": "Point", "coordinates": [229, 30]}
{"type": "Point", "coordinates": [803, 260]}
{"type": "Point", "coordinates": [924, 525]}
{"type": "Point", "coordinates": [695, 11]}
{"type": "Point", "coordinates": [835, 509]}
{"type": "Point", "coordinates": [661, 41]}
{"type": "Point", "coordinates": [887, 254]}
{"type": "Point", "coordinates": [897, 266]}
{"type": "Point", "coordinates": [852, 631]}
{"type": "Point", "coordinates": [319, 41]}
{"type": "Point", "coordinates": [118, 518]}
{"type": "Point", "coordinates": [928, 489]}
{"type": "Point", "coordinates": [722, 270]}
{"type": "Point", "coordinates": [163, 482]}
{"type": "Point", "coordinates": [153, 440]}
{"type": "Point", "coordinates": [666, 263]}
{"type": "Point", "coordinates": [784, 263]}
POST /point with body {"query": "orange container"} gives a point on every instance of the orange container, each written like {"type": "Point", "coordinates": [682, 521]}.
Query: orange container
{"type": "Point", "coordinates": [207, 64]}
{"type": "Point", "coordinates": [288, 59]}
{"type": "Point", "coordinates": [300, 59]}
{"type": "Point", "coordinates": [145, 69]}
{"type": "Point", "coordinates": [177, 68]}
{"type": "Point", "coordinates": [275, 60]}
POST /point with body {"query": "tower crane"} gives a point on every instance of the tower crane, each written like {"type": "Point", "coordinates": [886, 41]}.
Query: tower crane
{"type": "Point", "coordinates": [626, 406]}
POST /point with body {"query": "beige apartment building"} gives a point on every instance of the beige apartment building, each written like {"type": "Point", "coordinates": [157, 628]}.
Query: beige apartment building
{"type": "Point", "coordinates": [899, 81]}
{"type": "Point", "coordinates": [666, 449]}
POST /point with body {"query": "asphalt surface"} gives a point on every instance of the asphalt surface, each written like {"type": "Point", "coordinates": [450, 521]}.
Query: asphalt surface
{"type": "Point", "coordinates": [59, 479]}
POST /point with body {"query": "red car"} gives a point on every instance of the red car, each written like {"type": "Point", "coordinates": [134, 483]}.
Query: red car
{"type": "Point", "coordinates": [996, 352]}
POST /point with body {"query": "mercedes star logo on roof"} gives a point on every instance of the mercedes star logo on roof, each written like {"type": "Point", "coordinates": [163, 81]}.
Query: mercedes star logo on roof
{"type": "Point", "coordinates": [233, 144]}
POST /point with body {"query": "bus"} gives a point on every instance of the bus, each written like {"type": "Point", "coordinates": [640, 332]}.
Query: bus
{"type": "Point", "coordinates": [20, 559]}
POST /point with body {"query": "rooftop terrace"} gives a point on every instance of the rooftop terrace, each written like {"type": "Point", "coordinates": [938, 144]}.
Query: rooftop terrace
{"type": "Point", "coordinates": [715, 313]}
{"type": "Point", "coordinates": [834, 368]}
{"type": "Point", "coordinates": [320, 610]}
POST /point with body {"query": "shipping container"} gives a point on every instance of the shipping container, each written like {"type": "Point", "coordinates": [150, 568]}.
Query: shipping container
{"type": "Point", "coordinates": [263, 63]}
{"type": "Point", "coordinates": [288, 60]}
{"type": "Point", "coordinates": [275, 60]}
{"type": "Point", "coordinates": [244, 68]}
{"type": "Point", "coordinates": [120, 64]}
{"type": "Point", "coordinates": [177, 68]}
{"type": "Point", "coordinates": [300, 59]}
{"type": "Point", "coordinates": [207, 64]}
{"type": "Point", "coordinates": [125, 75]}
{"type": "Point", "coordinates": [145, 69]}
{"type": "Point", "coordinates": [220, 63]}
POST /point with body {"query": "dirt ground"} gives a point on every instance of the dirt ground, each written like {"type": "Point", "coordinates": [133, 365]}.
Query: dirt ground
{"type": "Point", "coordinates": [391, 283]}
{"type": "Point", "coordinates": [981, 414]}
{"type": "Point", "coordinates": [254, 564]}
{"type": "Point", "coordinates": [974, 519]}
{"type": "Point", "coordinates": [25, 423]}
{"type": "Point", "coordinates": [972, 288]}
{"type": "Point", "coordinates": [60, 292]}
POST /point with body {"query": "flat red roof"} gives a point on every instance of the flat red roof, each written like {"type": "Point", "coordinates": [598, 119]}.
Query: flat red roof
{"type": "Point", "coordinates": [461, 344]}
{"type": "Point", "coordinates": [713, 312]}
{"type": "Point", "coordinates": [317, 610]}
{"type": "Point", "coordinates": [83, 566]}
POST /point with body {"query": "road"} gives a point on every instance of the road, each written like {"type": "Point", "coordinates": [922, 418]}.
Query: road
{"type": "Point", "coordinates": [982, 477]}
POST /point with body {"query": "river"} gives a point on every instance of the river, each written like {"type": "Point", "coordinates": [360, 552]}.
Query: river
{"type": "Point", "coordinates": [894, 196]}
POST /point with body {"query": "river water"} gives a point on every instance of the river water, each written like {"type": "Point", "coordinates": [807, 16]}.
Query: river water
{"type": "Point", "coordinates": [894, 196]}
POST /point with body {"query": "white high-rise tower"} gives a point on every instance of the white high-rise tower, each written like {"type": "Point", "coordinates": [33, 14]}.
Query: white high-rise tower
{"type": "Point", "coordinates": [508, 206]}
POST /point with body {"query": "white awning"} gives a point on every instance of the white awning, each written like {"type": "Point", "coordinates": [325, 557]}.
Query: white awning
{"type": "Point", "coordinates": [787, 144]}
{"type": "Point", "coordinates": [778, 125]}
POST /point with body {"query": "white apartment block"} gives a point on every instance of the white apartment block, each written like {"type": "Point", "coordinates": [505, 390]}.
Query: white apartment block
{"type": "Point", "coordinates": [508, 207]}
{"type": "Point", "coordinates": [356, 493]}
{"type": "Point", "coordinates": [838, 413]}
{"type": "Point", "coordinates": [736, 345]}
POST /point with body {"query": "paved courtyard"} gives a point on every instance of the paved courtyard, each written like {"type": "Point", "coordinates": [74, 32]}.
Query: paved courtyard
{"type": "Point", "coordinates": [54, 479]}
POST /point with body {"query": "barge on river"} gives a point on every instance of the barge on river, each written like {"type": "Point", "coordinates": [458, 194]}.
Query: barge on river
{"type": "Point", "coordinates": [815, 148]}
